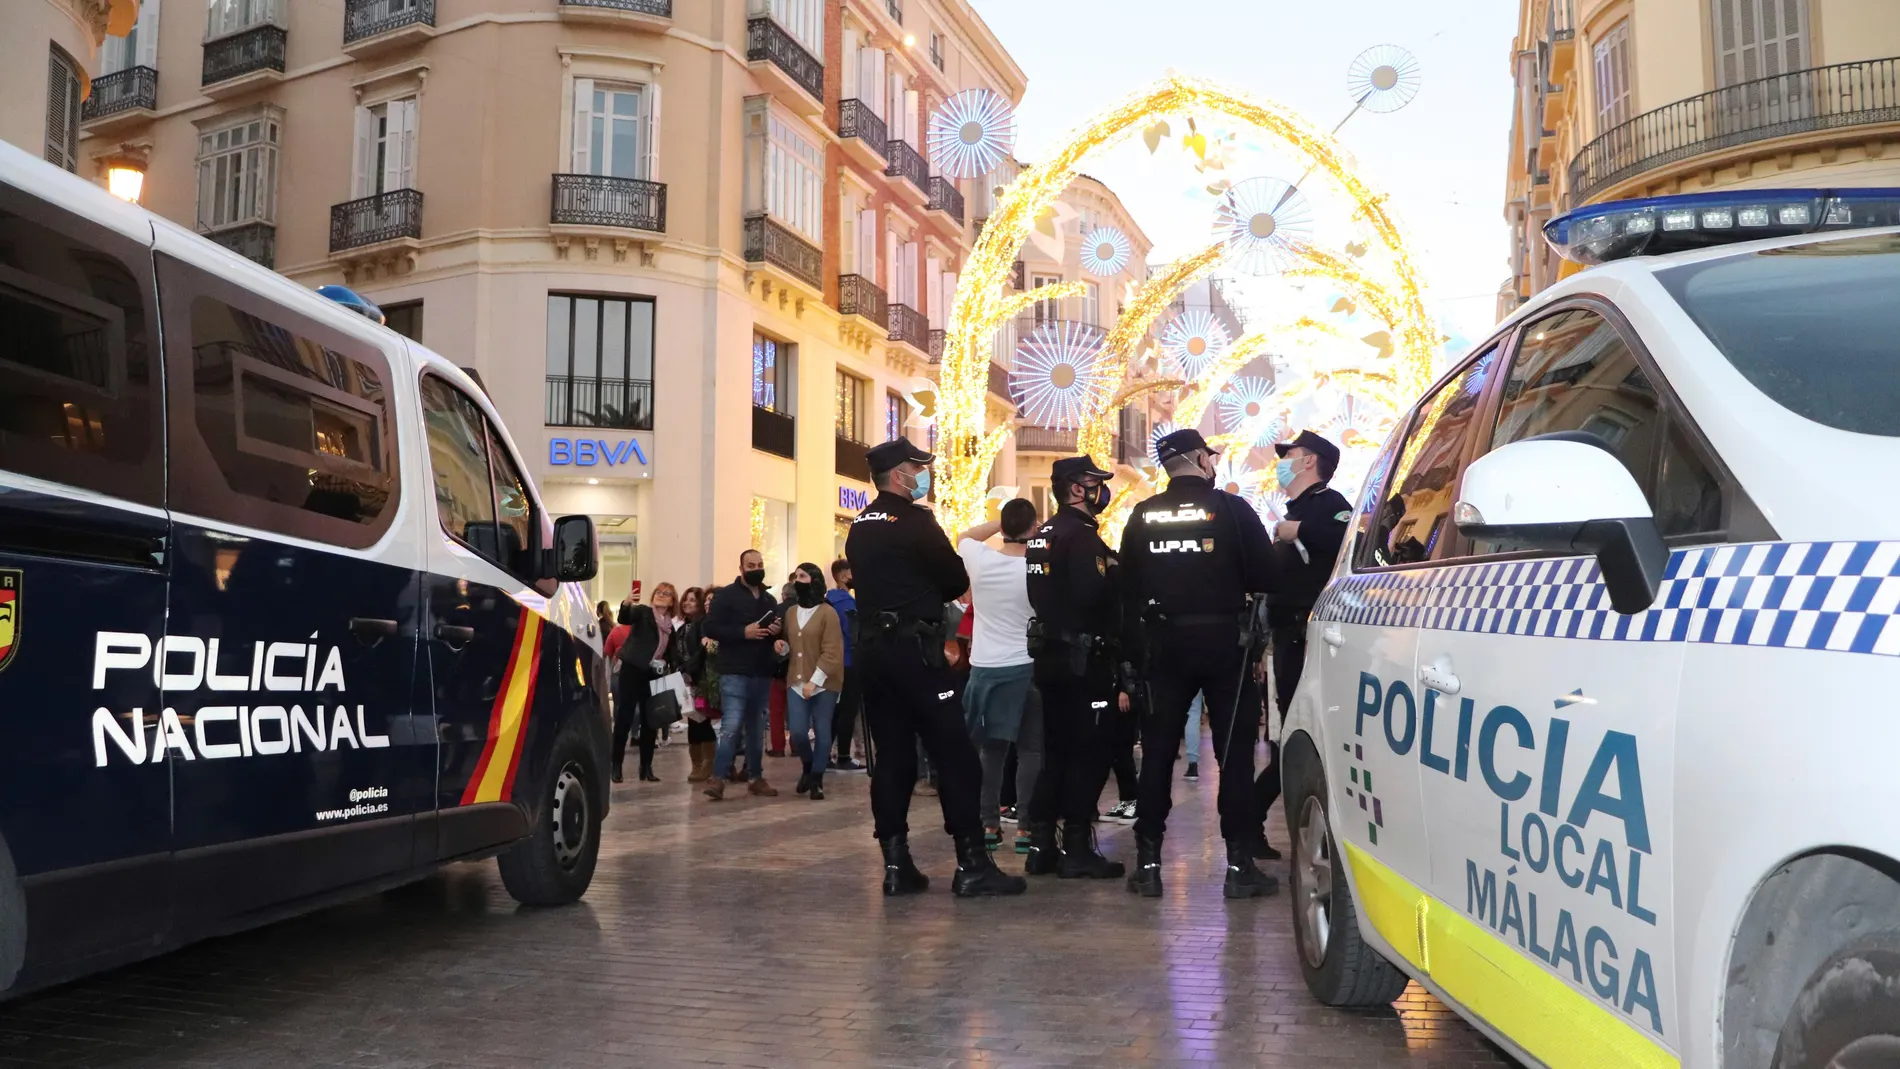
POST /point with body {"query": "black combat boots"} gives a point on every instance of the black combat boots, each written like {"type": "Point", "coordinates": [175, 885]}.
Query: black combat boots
{"type": "Point", "coordinates": [1243, 879]}
{"type": "Point", "coordinates": [1080, 859]}
{"type": "Point", "coordinates": [900, 873]}
{"type": "Point", "coordinates": [977, 874]}
{"type": "Point", "coordinates": [1044, 859]}
{"type": "Point", "coordinates": [1146, 879]}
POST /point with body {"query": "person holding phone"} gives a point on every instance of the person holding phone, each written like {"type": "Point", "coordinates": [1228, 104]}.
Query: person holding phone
{"type": "Point", "coordinates": [746, 623]}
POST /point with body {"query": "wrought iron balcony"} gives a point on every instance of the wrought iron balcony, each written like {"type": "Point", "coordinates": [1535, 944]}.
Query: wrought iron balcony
{"type": "Point", "coordinates": [604, 200]}
{"type": "Point", "coordinates": [767, 40]}
{"type": "Point", "coordinates": [376, 218]}
{"type": "Point", "coordinates": [253, 241]}
{"type": "Point", "coordinates": [859, 296]}
{"type": "Point", "coordinates": [856, 119]}
{"type": "Point", "coordinates": [907, 163]}
{"type": "Point", "coordinates": [1032, 439]}
{"type": "Point", "coordinates": [622, 404]}
{"type": "Point", "coordinates": [851, 462]}
{"type": "Point", "coordinates": [766, 241]}
{"type": "Point", "coordinates": [368, 18]}
{"type": "Point", "coordinates": [120, 91]}
{"type": "Point", "coordinates": [1819, 98]}
{"type": "Point", "coordinates": [774, 432]}
{"type": "Point", "coordinates": [260, 48]}
{"type": "Point", "coordinates": [935, 346]}
{"type": "Point", "coordinates": [657, 8]}
{"type": "Point", "coordinates": [909, 326]}
{"type": "Point", "coordinates": [945, 197]}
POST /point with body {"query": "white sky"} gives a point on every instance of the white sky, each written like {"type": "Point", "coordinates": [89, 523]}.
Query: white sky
{"type": "Point", "coordinates": [1442, 159]}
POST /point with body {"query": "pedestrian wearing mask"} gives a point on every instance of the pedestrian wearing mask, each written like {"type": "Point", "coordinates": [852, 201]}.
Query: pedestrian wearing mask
{"type": "Point", "coordinates": [814, 675]}
{"type": "Point", "coordinates": [745, 622]}
{"type": "Point", "coordinates": [844, 721]}
{"type": "Point", "coordinates": [702, 739]}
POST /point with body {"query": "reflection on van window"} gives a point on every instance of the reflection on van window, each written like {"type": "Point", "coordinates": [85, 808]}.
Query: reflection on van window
{"type": "Point", "coordinates": [1413, 519]}
{"type": "Point", "coordinates": [458, 457]}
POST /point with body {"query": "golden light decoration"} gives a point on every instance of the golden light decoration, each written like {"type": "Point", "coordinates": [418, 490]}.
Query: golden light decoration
{"type": "Point", "coordinates": [758, 524]}
{"type": "Point", "coordinates": [1383, 78]}
{"type": "Point", "coordinates": [1057, 372]}
{"type": "Point", "coordinates": [971, 133]}
{"type": "Point", "coordinates": [1249, 409]}
{"type": "Point", "coordinates": [1263, 222]}
{"type": "Point", "coordinates": [1355, 423]}
{"type": "Point", "coordinates": [1193, 340]}
{"type": "Point", "coordinates": [1105, 251]}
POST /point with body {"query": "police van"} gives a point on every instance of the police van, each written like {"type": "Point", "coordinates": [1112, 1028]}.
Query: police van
{"type": "Point", "coordinates": [281, 618]}
{"type": "Point", "coordinates": [1596, 738]}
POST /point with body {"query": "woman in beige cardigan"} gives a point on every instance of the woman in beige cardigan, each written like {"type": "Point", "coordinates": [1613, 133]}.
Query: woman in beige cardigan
{"type": "Point", "coordinates": [814, 674]}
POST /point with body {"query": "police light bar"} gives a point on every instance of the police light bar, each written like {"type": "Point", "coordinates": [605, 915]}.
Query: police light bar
{"type": "Point", "coordinates": [1599, 233]}
{"type": "Point", "coordinates": [355, 302]}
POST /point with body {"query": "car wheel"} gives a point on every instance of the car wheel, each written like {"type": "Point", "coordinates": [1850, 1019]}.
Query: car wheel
{"type": "Point", "coordinates": [555, 863]}
{"type": "Point", "coordinates": [1848, 1014]}
{"type": "Point", "coordinates": [1340, 969]}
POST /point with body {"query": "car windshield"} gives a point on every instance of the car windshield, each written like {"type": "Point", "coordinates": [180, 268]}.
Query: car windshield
{"type": "Point", "coordinates": [1816, 327]}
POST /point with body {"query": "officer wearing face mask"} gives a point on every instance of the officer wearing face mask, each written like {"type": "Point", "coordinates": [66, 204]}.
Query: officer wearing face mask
{"type": "Point", "coordinates": [1075, 639]}
{"type": "Point", "coordinates": [1190, 556]}
{"type": "Point", "coordinates": [906, 571]}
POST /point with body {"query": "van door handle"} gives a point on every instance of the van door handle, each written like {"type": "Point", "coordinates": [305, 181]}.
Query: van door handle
{"type": "Point", "coordinates": [1439, 676]}
{"type": "Point", "coordinates": [371, 630]}
{"type": "Point", "coordinates": [1332, 636]}
{"type": "Point", "coordinates": [454, 636]}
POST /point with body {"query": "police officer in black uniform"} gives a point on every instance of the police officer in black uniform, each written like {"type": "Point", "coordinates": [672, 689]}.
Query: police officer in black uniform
{"type": "Point", "coordinates": [1075, 640]}
{"type": "Point", "coordinates": [1190, 557]}
{"type": "Point", "coordinates": [1306, 545]}
{"type": "Point", "coordinates": [905, 571]}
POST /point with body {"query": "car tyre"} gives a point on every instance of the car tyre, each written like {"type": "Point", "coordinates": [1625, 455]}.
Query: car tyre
{"type": "Point", "coordinates": [1340, 968]}
{"type": "Point", "coordinates": [555, 863]}
{"type": "Point", "coordinates": [1848, 1014]}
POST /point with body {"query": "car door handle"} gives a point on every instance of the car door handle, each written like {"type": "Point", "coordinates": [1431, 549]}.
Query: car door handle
{"type": "Point", "coordinates": [1439, 677]}
{"type": "Point", "coordinates": [371, 630]}
{"type": "Point", "coordinates": [454, 636]}
{"type": "Point", "coordinates": [1332, 636]}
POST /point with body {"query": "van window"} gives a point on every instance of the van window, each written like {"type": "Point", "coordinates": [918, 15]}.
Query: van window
{"type": "Point", "coordinates": [1415, 518]}
{"type": "Point", "coordinates": [79, 386]}
{"type": "Point", "coordinates": [514, 511]}
{"type": "Point", "coordinates": [458, 457]}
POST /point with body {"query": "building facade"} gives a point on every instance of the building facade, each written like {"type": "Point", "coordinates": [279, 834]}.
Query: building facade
{"type": "Point", "coordinates": [1620, 98]}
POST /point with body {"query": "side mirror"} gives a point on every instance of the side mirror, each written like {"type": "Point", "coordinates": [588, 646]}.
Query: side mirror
{"type": "Point", "coordinates": [1568, 492]}
{"type": "Point", "coordinates": [575, 556]}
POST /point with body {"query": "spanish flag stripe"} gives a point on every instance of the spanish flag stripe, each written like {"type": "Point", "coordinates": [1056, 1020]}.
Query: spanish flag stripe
{"type": "Point", "coordinates": [512, 704]}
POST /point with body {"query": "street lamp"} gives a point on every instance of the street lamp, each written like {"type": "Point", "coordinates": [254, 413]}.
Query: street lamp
{"type": "Point", "coordinates": [125, 173]}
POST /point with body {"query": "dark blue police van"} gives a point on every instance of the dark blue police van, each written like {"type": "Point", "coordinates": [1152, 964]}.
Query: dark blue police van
{"type": "Point", "coordinates": [282, 620]}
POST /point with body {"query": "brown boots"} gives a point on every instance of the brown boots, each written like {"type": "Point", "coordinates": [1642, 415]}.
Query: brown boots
{"type": "Point", "coordinates": [702, 755]}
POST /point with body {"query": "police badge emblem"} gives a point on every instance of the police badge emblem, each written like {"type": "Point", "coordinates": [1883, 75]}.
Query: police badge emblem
{"type": "Point", "coordinates": [1101, 565]}
{"type": "Point", "coordinates": [9, 614]}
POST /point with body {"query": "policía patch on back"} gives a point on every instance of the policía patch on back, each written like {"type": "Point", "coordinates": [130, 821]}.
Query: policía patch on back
{"type": "Point", "coordinates": [11, 580]}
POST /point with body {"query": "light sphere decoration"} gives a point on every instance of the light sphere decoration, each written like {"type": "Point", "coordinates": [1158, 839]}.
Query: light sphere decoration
{"type": "Point", "coordinates": [1247, 409]}
{"type": "Point", "coordinates": [1355, 423]}
{"type": "Point", "coordinates": [971, 133]}
{"type": "Point", "coordinates": [1058, 373]}
{"type": "Point", "coordinates": [1383, 78]}
{"type": "Point", "coordinates": [1155, 434]}
{"type": "Point", "coordinates": [1263, 221]}
{"type": "Point", "coordinates": [1105, 251]}
{"type": "Point", "coordinates": [1233, 474]}
{"type": "Point", "coordinates": [1193, 340]}
{"type": "Point", "coordinates": [1269, 502]}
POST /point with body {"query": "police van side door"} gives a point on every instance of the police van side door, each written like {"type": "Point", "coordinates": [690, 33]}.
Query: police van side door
{"type": "Point", "coordinates": [85, 808]}
{"type": "Point", "coordinates": [291, 646]}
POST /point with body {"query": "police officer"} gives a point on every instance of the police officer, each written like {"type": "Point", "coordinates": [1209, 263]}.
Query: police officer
{"type": "Point", "coordinates": [1190, 556]}
{"type": "Point", "coordinates": [1306, 545]}
{"type": "Point", "coordinates": [905, 571]}
{"type": "Point", "coordinates": [1075, 638]}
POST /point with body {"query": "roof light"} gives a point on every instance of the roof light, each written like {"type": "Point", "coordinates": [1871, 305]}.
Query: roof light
{"type": "Point", "coordinates": [1598, 233]}
{"type": "Point", "coordinates": [354, 301]}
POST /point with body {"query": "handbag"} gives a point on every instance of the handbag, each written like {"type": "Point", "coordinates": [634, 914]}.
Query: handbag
{"type": "Point", "coordinates": [666, 701]}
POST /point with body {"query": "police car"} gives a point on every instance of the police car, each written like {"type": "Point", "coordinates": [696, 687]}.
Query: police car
{"type": "Point", "coordinates": [281, 618]}
{"type": "Point", "coordinates": [1596, 739]}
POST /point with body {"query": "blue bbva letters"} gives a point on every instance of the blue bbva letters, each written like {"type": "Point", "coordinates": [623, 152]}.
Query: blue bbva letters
{"type": "Point", "coordinates": [587, 452]}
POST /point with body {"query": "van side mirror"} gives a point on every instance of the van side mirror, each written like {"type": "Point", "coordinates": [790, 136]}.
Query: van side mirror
{"type": "Point", "coordinates": [1568, 492]}
{"type": "Point", "coordinates": [575, 556]}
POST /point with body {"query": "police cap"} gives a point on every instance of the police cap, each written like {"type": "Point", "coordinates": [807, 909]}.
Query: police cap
{"type": "Point", "coordinates": [1327, 452]}
{"type": "Point", "coordinates": [882, 458]}
{"type": "Point", "coordinates": [1180, 444]}
{"type": "Point", "coordinates": [1069, 469]}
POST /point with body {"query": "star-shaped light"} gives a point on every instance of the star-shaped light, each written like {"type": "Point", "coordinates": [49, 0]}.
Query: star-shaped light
{"type": "Point", "coordinates": [1263, 221]}
{"type": "Point", "coordinates": [1058, 373]}
{"type": "Point", "coordinates": [1248, 408]}
{"type": "Point", "coordinates": [1193, 340]}
{"type": "Point", "coordinates": [1383, 78]}
{"type": "Point", "coordinates": [971, 133]}
{"type": "Point", "coordinates": [1105, 251]}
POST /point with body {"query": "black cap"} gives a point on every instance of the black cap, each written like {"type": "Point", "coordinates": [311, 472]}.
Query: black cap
{"type": "Point", "coordinates": [882, 458]}
{"type": "Point", "coordinates": [1327, 452]}
{"type": "Point", "coordinates": [1180, 444]}
{"type": "Point", "coordinates": [1069, 469]}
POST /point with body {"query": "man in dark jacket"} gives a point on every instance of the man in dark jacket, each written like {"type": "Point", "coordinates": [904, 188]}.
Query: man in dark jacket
{"type": "Point", "coordinates": [844, 720]}
{"type": "Point", "coordinates": [746, 622]}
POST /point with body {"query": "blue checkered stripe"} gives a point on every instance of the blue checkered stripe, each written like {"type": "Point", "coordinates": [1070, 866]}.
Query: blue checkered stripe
{"type": "Point", "coordinates": [1801, 595]}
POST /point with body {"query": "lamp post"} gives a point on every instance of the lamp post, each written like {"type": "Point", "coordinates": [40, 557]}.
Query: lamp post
{"type": "Point", "coordinates": [125, 172]}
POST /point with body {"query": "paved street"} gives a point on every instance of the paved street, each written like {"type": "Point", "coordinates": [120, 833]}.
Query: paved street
{"type": "Point", "coordinates": [749, 933]}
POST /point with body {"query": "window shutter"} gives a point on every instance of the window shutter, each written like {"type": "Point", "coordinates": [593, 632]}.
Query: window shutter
{"type": "Point", "coordinates": [583, 124]}
{"type": "Point", "coordinates": [890, 267]}
{"type": "Point", "coordinates": [875, 83]}
{"type": "Point", "coordinates": [933, 281]}
{"type": "Point", "coordinates": [650, 132]}
{"type": "Point", "coordinates": [850, 62]}
{"type": "Point", "coordinates": [910, 117]}
{"type": "Point", "coordinates": [909, 276]}
{"type": "Point", "coordinates": [147, 36]}
{"type": "Point", "coordinates": [62, 111]}
{"type": "Point", "coordinates": [364, 180]}
{"type": "Point", "coordinates": [400, 171]}
{"type": "Point", "coordinates": [867, 243]}
{"type": "Point", "coordinates": [1758, 38]}
{"type": "Point", "coordinates": [949, 296]}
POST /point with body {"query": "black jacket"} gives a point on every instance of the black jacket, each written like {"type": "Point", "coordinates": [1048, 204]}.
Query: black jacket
{"type": "Point", "coordinates": [733, 608]}
{"type": "Point", "coordinates": [1193, 553]}
{"type": "Point", "coordinates": [1073, 578]}
{"type": "Point", "coordinates": [1324, 515]}
{"type": "Point", "coordinates": [902, 562]}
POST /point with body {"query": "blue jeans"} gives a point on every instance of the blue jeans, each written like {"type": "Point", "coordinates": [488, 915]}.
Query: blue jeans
{"type": "Point", "coordinates": [1194, 731]}
{"type": "Point", "coordinates": [742, 703]}
{"type": "Point", "coordinates": [805, 717]}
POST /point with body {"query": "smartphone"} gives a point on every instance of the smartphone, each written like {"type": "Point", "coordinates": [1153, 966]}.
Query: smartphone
{"type": "Point", "coordinates": [766, 620]}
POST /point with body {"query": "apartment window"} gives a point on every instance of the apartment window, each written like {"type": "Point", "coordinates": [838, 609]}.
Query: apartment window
{"type": "Point", "coordinates": [614, 129]}
{"type": "Point", "coordinates": [936, 50]}
{"type": "Point", "coordinates": [138, 48]}
{"type": "Point", "coordinates": [894, 416]}
{"type": "Point", "coordinates": [386, 147]}
{"type": "Point", "coordinates": [405, 319]}
{"type": "Point", "coordinates": [600, 362]}
{"type": "Point", "coordinates": [234, 16]}
{"type": "Point", "coordinates": [237, 172]}
{"type": "Point", "coordinates": [1758, 38]}
{"type": "Point", "coordinates": [1090, 304]}
{"type": "Point", "coordinates": [1046, 311]}
{"type": "Point", "coordinates": [785, 172]}
{"type": "Point", "coordinates": [803, 19]}
{"type": "Point", "coordinates": [62, 110]}
{"type": "Point", "coordinates": [772, 374]}
{"type": "Point", "coordinates": [1613, 77]}
{"type": "Point", "coordinates": [849, 421]}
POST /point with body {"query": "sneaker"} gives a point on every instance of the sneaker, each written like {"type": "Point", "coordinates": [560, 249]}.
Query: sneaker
{"type": "Point", "coordinates": [1023, 840]}
{"type": "Point", "coordinates": [1124, 812]}
{"type": "Point", "coordinates": [845, 764]}
{"type": "Point", "coordinates": [1009, 814]}
{"type": "Point", "coordinates": [762, 788]}
{"type": "Point", "coordinates": [1193, 771]}
{"type": "Point", "coordinates": [992, 838]}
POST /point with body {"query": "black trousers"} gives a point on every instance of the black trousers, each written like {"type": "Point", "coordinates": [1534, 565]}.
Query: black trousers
{"type": "Point", "coordinates": [1121, 734]}
{"type": "Point", "coordinates": [701, 731]}
{"type": "Point", "coordinates": [1210, 661]}
{"type": "Point", "coordinates": [1289, 656]}
{"type": "Point", "coordinates": [908, 702]}
{"type": "Point", "coordinates": [1077, 714]}
{"type": "Point", "coordinates": [628, 708]}
{"type": "Point", "coordinates": [844, 717]}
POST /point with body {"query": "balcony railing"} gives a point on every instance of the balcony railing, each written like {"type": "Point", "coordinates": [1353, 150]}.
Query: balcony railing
{"type": "Point", "coordinates": [909, 326]}
{"type": "Point", "coordinates": [1031, 439]}
{"type": "Point", "coordinates": [1820, 98]}
{"type": "Point", "coordinates": [766, 241]}
{"type": "Point", "coordinates": [604, 200]}
{"type": "Point", "coordinates": [134, 87]}
{"type": "Point", "coordinates": [934, 346]}
{"type": "Point", "coordinates": [851, 462]}
{"type": "Point", "coordinates": [253, 241]}
{"type": "Point", "coordinates": [621, 404]}
{"type": "Point", "coordinates": [907, 163]}
{"type": "Point", "coordinates": [856, 119]}
{"type": "Point", "coordinates": [767, 40]}
{"type": "Point", "coordinates": [260, 48]}
{"type": "Point", "coordinates": [1560, 23]}
{"type": "Point", "coordinates": [376, 218]}
{"type": "Point", "coordinates": [660, 8]}
{"type": "Point", "coordinates": [945, 197]}
{"type": "Point", "coordinates": [774, 432]}
{"type": "Point", "coordinates": [367, 18]}
{"type": "Point", "coordinates": [859, 296]}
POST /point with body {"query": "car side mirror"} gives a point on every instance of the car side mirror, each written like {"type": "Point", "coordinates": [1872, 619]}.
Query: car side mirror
{"type": "Point", "coordinates": [575, 556]}
{"type": "Point", "coordinates": [1568, 492]}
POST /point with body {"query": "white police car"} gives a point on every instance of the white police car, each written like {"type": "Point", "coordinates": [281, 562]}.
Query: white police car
{"type": "Point", "coordinates": [1597, 734]}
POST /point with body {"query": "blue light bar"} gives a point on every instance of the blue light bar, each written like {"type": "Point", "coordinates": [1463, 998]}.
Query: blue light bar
{"type": "Point", "coordinates": [354, 301]}
{"type": "Point", "coordinates": [1598, 233]}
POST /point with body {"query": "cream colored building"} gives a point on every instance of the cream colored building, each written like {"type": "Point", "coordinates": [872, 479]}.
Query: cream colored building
{"type": "Point", "coordinates": [693, 250]}
{"type": "Point", "coordinates": [1632, 98]}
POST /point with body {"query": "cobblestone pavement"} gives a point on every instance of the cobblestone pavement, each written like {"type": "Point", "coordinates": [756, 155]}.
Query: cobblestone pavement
{"type": "Point", "coordinates": [751, 933]}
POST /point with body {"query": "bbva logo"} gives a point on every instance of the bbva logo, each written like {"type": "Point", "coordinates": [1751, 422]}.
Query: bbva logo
{"type": "Point", "coordinates": [587, 452]}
